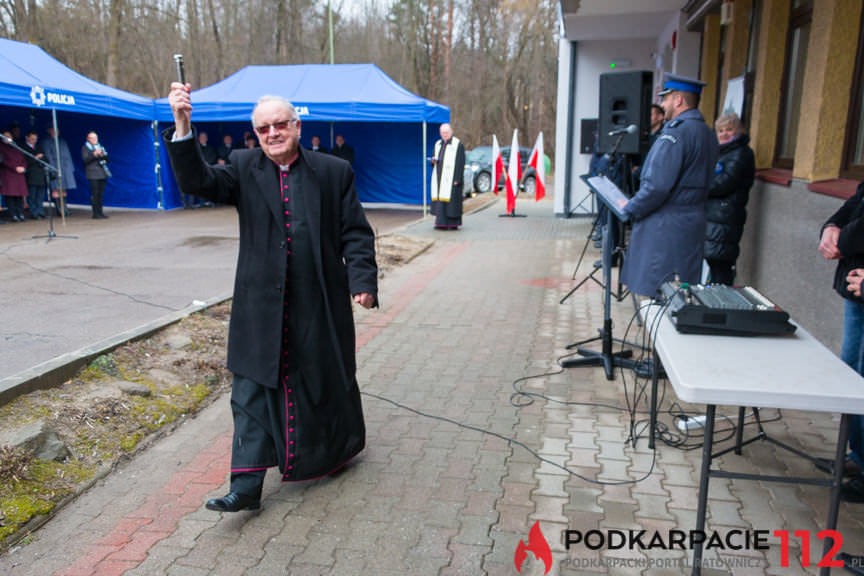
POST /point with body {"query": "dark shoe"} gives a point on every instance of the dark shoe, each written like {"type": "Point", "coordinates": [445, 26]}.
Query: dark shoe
{"type": "Point", "coordinates": [850, 468]}
{"type": "Point", "coordinates": [853, 490]}
{"type": "Point", "coordinates": [853, 564]}
{"type": "Point", "coordinates": [234, 502]}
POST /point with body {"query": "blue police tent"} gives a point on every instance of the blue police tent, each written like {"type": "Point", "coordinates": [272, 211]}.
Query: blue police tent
{"type": "Point", "coordinates": [391, 129]}
{"type": "Point", "coordinates": [34, 86]}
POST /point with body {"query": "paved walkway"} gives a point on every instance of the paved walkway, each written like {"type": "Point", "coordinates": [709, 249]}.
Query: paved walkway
{"type": "Point", "coordinates": [136, 268]}
{"type": "Point", "coordinates": [439, 491]}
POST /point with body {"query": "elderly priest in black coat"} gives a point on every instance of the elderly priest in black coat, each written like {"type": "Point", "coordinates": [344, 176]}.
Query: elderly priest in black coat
{"type": "Point", "coordinates": [305, 250]}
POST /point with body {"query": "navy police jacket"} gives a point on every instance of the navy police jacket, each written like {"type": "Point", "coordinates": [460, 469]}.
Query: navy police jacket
{"type": "Point", "coordinates": [668, 211]}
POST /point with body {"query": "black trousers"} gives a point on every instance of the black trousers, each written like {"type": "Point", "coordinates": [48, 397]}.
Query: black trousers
{"type": "Point", "coordinates": [15, 205]}
{"type": "Point", "coordinates": [258, 416]}
{"type": "Point", "coordinates": [97, 189]}
{"type": "Point", "coordinates": [721, 272]}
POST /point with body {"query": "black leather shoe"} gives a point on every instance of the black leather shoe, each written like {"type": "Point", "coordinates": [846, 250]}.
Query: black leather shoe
{"type": "Point", "coordinates": [234, 502]}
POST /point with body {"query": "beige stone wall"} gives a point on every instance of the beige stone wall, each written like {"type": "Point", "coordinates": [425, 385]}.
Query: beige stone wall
{"type": "Point", "coordinates": [770, 60]}
{"type": "Point", "coordinates": [827, 78]}
{"type": "Point", "coordinates": [710, 58]}
{"type": "Point", "coordinates": [780, 257]}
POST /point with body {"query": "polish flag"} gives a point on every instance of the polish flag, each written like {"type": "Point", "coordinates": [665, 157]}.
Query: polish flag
{"type": "Point", "coordinates": [538, 161]}
{"type": "Point", "coordinates": [513, 174]}
{"type": "Point", "coordinates": [497, 164]}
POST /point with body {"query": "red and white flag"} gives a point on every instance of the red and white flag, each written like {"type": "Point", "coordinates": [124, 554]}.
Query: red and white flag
{"type": "Point", "coordinates": [513, 174]}
{"type": "Point", "coordinates": [497, 164]}
{"type": "Point", "coordinates": [538, 161]}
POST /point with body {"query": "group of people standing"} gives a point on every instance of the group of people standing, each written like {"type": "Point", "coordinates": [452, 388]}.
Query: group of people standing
{"type": "Point", "coordinates": [220, 156]}
{"type": "Point", "coordinates": [692, 195]}
{"type": "Point", "coordinates": [30, 168]}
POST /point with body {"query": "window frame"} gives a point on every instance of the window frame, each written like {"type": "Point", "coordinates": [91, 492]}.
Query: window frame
{"type": "Point", "coordinates": [799, 17]}
{"type": "Point", "coordinates": [848, 168]}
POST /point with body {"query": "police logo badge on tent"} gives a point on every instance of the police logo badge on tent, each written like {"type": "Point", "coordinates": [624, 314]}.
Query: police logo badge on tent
{"type": "Point", "coordinates": [37, 96]}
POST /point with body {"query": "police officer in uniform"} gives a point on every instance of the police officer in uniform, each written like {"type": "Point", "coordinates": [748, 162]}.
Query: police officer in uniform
{"type": "Point", "coordinates": [668, 211]}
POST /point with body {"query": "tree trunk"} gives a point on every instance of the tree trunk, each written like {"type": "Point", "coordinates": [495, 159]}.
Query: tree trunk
{"type": "Point", "coordinates": [115, 25]}
{"type": "Point", "coordinates": [217, 39]}
{"type": "Point", "coordinates": [448, 49]}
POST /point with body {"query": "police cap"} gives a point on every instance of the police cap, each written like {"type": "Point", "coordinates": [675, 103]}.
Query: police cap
{"type": "Point", "coordinates": [676, 83]}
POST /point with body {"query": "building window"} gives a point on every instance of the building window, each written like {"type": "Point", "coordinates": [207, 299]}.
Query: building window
{"type": "Point", "coordinates": [853, 153]}
{"type": "Point", "coordinates": [752, 49]}
{"type": "Point", "coordinates": [793, 82]}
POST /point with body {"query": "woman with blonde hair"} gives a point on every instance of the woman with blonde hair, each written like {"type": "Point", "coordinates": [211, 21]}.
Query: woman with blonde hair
{"type": "Point", "coordinates": [726, 207]}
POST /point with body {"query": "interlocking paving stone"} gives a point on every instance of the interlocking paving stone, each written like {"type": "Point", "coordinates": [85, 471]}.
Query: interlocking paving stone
{"type": "Point", "coordinates": [457, 326]}
{"type": "Point", "coordinates": [652, 506]}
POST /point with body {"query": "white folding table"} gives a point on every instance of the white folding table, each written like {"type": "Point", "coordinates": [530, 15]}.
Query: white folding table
{"type": "Point", "coordinates": [794, 372]}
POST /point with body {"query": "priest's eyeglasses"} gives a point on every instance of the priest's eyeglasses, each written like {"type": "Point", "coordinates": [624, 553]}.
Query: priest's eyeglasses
{"type": "Point", "coordinates": [280, 126]}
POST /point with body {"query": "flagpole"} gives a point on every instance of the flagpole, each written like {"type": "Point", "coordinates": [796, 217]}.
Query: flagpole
{"type": "Point", "coordinates": [511, 184]}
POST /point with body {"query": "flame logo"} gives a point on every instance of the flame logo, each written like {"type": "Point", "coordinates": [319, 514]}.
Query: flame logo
{"type": "Point", "coordinates": [538, 545]}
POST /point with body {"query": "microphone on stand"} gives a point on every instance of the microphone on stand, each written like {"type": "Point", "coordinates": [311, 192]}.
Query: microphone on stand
{"type": "Point", "coordinates": [621, 132]}
{"type": "Point", "coordinates": [6, 139]}
{"type": "Point", "coordinates": [631, 129]}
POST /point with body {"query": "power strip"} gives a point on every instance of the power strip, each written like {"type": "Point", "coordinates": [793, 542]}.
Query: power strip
{"type": "Point", "coordinates": [691, 423]}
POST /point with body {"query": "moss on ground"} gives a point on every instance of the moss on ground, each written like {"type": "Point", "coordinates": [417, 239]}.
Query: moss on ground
{"type": "Point", "coordinates": [99, 424]}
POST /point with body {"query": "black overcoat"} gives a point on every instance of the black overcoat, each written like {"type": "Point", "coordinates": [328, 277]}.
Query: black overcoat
{"type": "Point", "coordinates": [850, 219]}
{"type": "Point", "coordinates": [343, 246]}
{"type": "Point", "coordinates": [726, 207]}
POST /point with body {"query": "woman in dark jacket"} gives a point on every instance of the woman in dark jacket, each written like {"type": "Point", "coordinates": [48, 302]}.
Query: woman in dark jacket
{"type": "Point", "coordinates": [13, 166]}
{"type": "Point", "coordinates": [726, 207]}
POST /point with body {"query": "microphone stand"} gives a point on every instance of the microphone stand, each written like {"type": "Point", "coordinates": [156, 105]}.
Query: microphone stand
{"type": "Point", "coordinates": [606, 357]}
{"type": "Point", "coordinates": [597, 222]}
{"type": "Point", "coordinates": [49, 170]}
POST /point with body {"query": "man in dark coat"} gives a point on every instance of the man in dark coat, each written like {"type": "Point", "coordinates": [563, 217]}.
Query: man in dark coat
{"type": "Point", "coordinates": [316, 146]}
{"type": "Point", "coordinates": [448, 166]}
{"type": "Point", "coordinates": [305, 249]}
{"type": "Point", "coordinates": [96, 170]}
{"type": "Point", "coordinates": [223, 152]}
{"type": "Point", "coordinates": [726, 207]}
{"type": "Point", "coordinates": [37, 185]}
{"type": "Point", "coordinates": [343, 150]}
{"type": "Point", "coordinates": [842, 239]}
{"type": "Point", "coordinates": [668, 211]}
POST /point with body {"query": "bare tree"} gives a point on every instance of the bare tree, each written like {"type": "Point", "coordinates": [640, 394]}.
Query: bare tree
{"type": "Point", "coordinates": [115, 22]}
{"type": "Point", "coordinates": [493, 62]}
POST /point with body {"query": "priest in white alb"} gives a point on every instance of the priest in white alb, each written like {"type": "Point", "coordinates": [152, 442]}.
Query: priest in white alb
{"type": "Point", "coordinates": [448, 167]}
